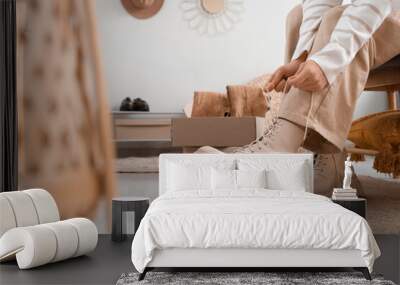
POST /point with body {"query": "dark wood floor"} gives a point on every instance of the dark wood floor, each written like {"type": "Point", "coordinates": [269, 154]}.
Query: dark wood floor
{"type": "Point", "coordinates": [103, 266]}
{"type": "Point", "coordinates": [110, 260]}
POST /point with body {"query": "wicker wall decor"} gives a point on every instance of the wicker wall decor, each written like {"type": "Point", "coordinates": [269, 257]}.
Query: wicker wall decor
{"type": "Point", "coordinates": [210, 17]}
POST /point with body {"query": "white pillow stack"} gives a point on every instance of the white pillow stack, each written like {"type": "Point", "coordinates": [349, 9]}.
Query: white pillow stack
{"type": "Point", "coordinates": [266, 173]}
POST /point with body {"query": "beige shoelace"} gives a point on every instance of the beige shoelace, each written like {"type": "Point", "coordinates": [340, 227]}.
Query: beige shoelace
{"type": "Point", "coordinates": [275, 123]}
{"type": "Point", "coordinates": [261, 140]}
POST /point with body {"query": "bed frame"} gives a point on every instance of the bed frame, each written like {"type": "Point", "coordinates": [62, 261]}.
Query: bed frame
{"type": "Point", "coordinates": [241, 259]}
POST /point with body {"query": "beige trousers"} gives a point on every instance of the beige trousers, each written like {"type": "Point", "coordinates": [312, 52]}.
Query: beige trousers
{"type": "Point", "coordinates": [328, 113]}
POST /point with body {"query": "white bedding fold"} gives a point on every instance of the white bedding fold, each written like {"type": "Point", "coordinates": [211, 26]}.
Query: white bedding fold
{"type": "Point", "coordinates": [253, 218]}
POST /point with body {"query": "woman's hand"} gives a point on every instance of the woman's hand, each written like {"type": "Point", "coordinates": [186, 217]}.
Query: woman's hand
{"type": "Point", "coordinates": [279, 77]}
{"type": "Point", "coordinates": [309, 77]}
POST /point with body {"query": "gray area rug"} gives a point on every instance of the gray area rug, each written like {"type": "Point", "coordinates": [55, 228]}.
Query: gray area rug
{"type": "Point", "coordinates": [269, 278]}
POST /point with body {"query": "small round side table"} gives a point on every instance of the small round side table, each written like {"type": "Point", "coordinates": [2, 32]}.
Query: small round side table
{"type": "Point", "coordinates": [127, 212]}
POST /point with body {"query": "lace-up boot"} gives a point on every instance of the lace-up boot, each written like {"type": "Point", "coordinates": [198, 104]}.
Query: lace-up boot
{"type": "Point", "coordinates": [280, 136]}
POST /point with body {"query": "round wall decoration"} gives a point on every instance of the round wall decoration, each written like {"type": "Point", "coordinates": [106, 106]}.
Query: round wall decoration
{"type": "Point", "coordinates": [212, 16]}
{"type": "Point", "coordinates": [142, 9]}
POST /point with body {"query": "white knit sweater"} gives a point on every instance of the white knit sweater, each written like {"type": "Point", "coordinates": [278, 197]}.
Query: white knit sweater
{"type": "Point", "coordinates": [358, 22]}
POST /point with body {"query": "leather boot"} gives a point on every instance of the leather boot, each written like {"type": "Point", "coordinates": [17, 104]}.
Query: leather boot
{"type": "Point", "coordinates": [281, 136]}
{"type": "Point", "coordinates": [208, 150]}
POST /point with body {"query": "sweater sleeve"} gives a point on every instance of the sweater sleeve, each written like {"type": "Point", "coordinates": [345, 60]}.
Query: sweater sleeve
{"type": "Point", "coordinates": [313, 10]}
{"type": "Point", "coordinates": [356, 26]}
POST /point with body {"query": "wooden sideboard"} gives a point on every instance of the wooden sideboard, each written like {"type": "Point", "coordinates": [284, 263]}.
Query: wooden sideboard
{"type": "Point", "coordinates": [143, 129]}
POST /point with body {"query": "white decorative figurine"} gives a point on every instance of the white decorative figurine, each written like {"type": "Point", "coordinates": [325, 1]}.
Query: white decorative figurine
{"type": "Point", "coordinates": [346, 192]}
{"type": "Point", "coordinates": [348, 173]}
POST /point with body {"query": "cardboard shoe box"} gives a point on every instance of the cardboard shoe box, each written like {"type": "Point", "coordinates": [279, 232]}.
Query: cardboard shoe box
{"type": "Point", "coordinates": [215, 131]}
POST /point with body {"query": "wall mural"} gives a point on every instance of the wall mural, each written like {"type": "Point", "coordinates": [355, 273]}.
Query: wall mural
{"type": "Point", "coordinates": [212, 17]}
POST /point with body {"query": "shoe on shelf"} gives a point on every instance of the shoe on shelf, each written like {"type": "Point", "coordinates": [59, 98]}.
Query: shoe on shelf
{"type": "Point", "coordinates": [126, 104]}
{"type": "Point", "coordinates": [139, 104]}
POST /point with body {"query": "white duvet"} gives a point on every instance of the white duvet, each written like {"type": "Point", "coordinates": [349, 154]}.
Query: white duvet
{"type": "Point", "coordinates": [253, 218]}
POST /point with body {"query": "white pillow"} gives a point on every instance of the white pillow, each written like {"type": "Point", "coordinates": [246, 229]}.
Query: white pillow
{"type": "Point", "coordinates": [188, 177]}
{"type": "Point", "coordinates": [194, 174]}
{"type": "Point", "coordinates": [251, 178]}
{"type": "Point", "coordinates": [291, 179]}
{"type": "Point", "coordinates": [281, 174]}
{"type": "Point", "coordinates": [237, 179]}
{"type": "Point", "coordinates": [223, 179]}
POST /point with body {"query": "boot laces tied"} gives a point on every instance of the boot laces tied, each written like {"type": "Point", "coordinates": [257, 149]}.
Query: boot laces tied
{"type": "Point", "coordinates": [266, 136]}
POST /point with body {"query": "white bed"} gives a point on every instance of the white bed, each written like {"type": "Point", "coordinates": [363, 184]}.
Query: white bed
{"type": "Point", "coordinates": [201, 220]}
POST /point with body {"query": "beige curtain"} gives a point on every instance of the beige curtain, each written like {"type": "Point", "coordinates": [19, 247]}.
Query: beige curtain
{"type": "Point", "coordinates": [64, 124]}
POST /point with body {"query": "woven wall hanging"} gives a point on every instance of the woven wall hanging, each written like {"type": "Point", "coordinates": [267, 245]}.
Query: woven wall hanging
{"type": "Point", "coordinates": [212, 17]}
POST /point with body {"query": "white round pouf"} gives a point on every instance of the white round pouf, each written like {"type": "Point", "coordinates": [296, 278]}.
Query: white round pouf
{"type": "Point", "coordinates": [23, 208]}
{"type": "Point", "coordinates": [32, 246]}
{"type": "Point", "coordinates": [45, 205]}
{"type": "Point", "coordinates": [26, 208]}
{"type": "Point", "coordinates": [40, 244]}
{"type": "Point", "coordinates": [7, 216]}
{"type": "Point", "coordinates": [30, 230]}
{"type": "Point", "coordinates": [87, 233]}
{"type": "Point", "coordinates": [67, 240]}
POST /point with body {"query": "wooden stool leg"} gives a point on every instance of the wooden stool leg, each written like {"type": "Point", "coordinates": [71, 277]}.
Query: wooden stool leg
{"type": "Point", "coordinates": [392, 100]}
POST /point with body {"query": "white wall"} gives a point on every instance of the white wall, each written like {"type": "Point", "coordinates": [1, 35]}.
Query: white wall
{"type": "Point", "coordinates": [163, 61]}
